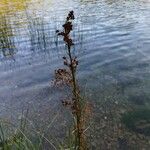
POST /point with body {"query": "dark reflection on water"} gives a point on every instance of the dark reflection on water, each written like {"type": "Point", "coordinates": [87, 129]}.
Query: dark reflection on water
{"type": "Point", "coordinates": [112, 42]}
{"type": "Point", "coordinates": [6, 38]}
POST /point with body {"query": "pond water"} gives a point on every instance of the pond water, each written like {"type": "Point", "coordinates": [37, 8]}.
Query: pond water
{"type": "Point", "coordinates": [112, 43]}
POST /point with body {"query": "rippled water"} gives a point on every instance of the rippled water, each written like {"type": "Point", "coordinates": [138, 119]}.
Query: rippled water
{"type": "Point", "coordinates": [112, 42]}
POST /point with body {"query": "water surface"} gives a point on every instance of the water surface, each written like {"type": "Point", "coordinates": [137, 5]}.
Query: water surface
{"type": "Point", "coordinates": [112, 43]}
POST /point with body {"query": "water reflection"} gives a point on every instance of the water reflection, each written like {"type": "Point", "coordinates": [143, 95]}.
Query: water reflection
{"type": "Point", "coordinates": [8, 8]}
{"type": "Point", "coordinates": [7, 45]}
{"type": "Point", "coordinates": [37, 34]}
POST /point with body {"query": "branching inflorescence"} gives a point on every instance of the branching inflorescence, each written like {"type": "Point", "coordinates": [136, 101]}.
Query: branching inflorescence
{"type": "Point", "coordinates": [68, 76]}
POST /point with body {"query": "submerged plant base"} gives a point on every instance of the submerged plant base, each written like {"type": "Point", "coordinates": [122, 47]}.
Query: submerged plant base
{"type": "Point", "coordinates": [138, 121]}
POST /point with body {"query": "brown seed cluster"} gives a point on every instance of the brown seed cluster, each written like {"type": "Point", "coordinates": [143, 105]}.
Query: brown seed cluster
{"type": "Point", "coordinates": [70, 104]}
{"type": "Point", "coordinates": [74, 63]}
{"type": "Point", "coordinates": [67, 29]}
{"type": "Point", "coordinates": [62, 77]}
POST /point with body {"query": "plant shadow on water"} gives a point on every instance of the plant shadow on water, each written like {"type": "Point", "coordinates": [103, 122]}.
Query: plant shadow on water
{"type": "Point", "coordinates": [139, 99]}
{"type": "Point", "coordinates": [138, 121]}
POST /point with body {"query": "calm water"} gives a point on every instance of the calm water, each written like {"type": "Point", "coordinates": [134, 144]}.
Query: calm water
{"type": "Point", "coordinates": [112, 44]}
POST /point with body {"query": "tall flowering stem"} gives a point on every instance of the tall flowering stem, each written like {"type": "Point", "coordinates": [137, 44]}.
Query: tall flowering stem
{"type": "Point", "coordinates": [68, 76]}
